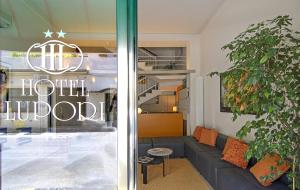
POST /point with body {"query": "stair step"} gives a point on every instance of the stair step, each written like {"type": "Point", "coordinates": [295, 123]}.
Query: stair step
{"type": "Point", "coordinates": [154, 93]}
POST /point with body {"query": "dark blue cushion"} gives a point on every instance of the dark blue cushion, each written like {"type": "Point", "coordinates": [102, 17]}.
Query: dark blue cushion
{"type": "Point", "coordinates": [145, 141]}
{"type": "Point", "coordinates": [203, 162]}
{"type": "Point", "coordinates": [242, 179]}
{"type": "Point", "coordinates": [190, 154]}
{"type": "Point", "coordinates": [252, 162]}
{"type": "Point", "coordinates": [144, 144]}
{"type": "Point", "coordinates": [189, 149]}
{"type": "Point", "coordinates": [207, 162]}
{"type": "Point", "coordinates": [285, 179]}
{"type": "Point", "coordinates": [192, 147]}
{"type": "Point", "coordinates": [174, 143]}
{"type": "Point", "coordinates": [216, 153]}
{"type": "Point", "coordinates": [221, 141]}
{"type": "Point", "coordinates": [214, 166]}
{"type": "Point", "coordinates": [190, 141]}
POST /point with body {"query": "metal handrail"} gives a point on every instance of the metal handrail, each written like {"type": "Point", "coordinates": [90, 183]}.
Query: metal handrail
{"type": "Point", "coordinates": [166, 56]}
{"type": "Point", "coordinates": [141, 79]}
{"type": "Point", "coordinates": [145, 84]}
{"type": "Point", "coordinates": [154, 87]}
{"type": "Point", "coordinates": [160, 61]}
{"type": "Point", "coordinates": [147, 52]}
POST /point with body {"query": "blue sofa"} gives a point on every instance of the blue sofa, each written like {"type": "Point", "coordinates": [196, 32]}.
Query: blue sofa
{"type": "Point", "coordinates": [207, 160]}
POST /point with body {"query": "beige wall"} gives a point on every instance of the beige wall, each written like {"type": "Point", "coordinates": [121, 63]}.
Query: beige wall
{"type": "Point", "coordinates": [232, 18]}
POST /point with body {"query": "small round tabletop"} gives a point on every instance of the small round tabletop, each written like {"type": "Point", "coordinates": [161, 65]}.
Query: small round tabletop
{"type": "Point", "coordinates": [160, 151]}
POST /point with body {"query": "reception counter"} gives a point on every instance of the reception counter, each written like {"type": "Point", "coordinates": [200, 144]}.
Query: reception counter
{"type": "Point", "coordinates": [160, 124]}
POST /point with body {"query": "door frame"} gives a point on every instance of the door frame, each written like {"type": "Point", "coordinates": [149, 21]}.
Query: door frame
{"type": "Point", "coordinates": [127, 104]}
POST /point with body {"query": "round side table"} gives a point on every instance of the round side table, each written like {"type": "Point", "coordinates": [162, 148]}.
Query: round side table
{"type": "Point", "coordinates": [162, 152]}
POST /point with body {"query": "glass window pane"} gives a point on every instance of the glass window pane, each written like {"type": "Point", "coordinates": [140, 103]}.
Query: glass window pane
{"type": "Point", "coordinates": [58, 104]}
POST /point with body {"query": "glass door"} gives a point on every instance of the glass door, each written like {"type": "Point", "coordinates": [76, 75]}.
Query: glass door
{"type": "Point", "coordinates": [67, 104]}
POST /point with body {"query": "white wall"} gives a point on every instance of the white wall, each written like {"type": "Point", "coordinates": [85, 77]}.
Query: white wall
{"type": "Point", "coordinates": [233, 17]}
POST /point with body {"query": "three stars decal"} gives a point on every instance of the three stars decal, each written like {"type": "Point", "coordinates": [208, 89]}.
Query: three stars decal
{"type": "Point", "coordinates": [48, 34]}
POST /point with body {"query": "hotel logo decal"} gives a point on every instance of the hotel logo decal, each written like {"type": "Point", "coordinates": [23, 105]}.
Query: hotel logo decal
{"type": "Point", "coordinates": [52, 67]}
{"type": "Point", "coordinates": [53, 63]}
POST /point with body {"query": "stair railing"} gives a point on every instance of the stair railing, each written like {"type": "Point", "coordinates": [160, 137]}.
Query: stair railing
{"type": "Point", "coordinates": [145, 54]}
{"type": "Point", "coordinates": [145, 85]}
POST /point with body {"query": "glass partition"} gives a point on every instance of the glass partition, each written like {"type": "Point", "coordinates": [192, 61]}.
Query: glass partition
{"type": "Point", "coordinates": [59, 103]}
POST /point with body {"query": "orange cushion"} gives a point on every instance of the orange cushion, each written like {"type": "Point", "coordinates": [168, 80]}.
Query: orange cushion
{"type": "Point", "coordinates": [263, 168]}
{"type": "Point", "coordinates": [197, 132]}
{"type": "Point", "coordinates": [208, 136]}
{"type": "Point", "coordinates": [235, 154]}
{"type": "Point", "coordinates": [229, 143]}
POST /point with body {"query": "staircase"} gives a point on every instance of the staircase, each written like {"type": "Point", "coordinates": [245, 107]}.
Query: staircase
{"type": "Point", "coordinates": [148, 90]}
{"type": "Point", "coordinates": [149, 61]}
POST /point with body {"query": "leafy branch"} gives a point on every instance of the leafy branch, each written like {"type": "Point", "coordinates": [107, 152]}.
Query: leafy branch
{"type": "Point", "coordinates": [265, 80]}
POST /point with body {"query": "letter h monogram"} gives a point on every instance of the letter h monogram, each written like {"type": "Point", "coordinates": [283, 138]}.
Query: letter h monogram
{"type": "Point", "coordinates": [51, 56]}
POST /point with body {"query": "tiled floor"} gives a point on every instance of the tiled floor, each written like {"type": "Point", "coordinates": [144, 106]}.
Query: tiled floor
{"type": "Point", "coordinates": [182, 176]}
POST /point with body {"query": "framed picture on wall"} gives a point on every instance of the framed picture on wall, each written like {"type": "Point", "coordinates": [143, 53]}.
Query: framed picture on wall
{"type": "Point", "coordinates": [223, 107]}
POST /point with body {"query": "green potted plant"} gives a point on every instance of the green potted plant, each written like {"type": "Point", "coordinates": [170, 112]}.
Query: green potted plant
{"type": "Point", "coordinates": [265, 80]}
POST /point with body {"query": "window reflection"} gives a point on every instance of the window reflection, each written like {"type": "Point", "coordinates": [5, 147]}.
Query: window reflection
{"type": "Point", "coordinates": [82, 101]}
{"type": "Point", "coordinates": [66, 148]}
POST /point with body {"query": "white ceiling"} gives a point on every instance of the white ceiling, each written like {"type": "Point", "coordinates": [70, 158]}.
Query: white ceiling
{"type": "Point", "coordinates": [89, 17]}
{"type": "Point", "coordinates": [175, 16]}
{"type": "Point", "coordinates": [32, 17]}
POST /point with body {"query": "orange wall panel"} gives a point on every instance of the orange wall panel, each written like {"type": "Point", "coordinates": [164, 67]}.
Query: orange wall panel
{"type": "Point", "coordinates": [160, 125]}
